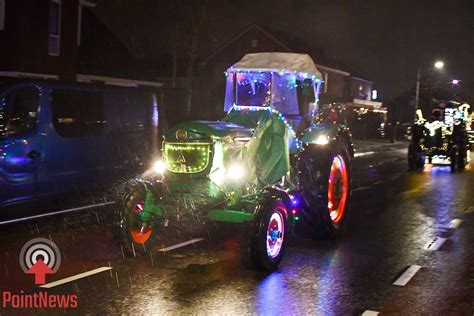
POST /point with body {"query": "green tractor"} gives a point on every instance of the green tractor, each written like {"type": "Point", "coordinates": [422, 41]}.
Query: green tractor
{"type": "Point", "coordinates": [444, 139]}
{"type": "Point", "coordinates": [274, 161]}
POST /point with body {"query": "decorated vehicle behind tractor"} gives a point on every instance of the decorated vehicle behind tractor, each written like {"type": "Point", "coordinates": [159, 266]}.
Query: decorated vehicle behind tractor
{"type": "Point", "coordinates": [275, 160]}
{"type": "Point", "coordinates": [443, 139]}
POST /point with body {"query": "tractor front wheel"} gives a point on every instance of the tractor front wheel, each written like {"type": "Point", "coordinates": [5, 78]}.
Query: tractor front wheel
{"type": "Point", "coordinates": [415, 158]}
{"type": "Point", "coordinates": [268, 235]}
{"type": "Point", "coordinates": [134, 234]}
{"type": "Point", "coordinates": [453, 157]}
{"type": "Point", "coordinates": [462, 158]}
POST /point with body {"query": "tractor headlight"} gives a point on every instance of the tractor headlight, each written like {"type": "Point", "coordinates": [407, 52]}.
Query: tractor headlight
{"type": "Point", "coordinates": [235, 172]}
{"type": "Point", "coordinates": [159, 167]}
{"type": "Point", "coordinates": [322, 140]}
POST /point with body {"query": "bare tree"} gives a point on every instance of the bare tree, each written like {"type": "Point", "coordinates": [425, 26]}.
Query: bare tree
{"type": "Point", "coordinates": [190, 20]}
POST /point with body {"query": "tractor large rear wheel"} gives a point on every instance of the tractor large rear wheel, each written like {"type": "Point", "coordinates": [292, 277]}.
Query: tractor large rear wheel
{"type": "Point", "coordinates": [415, 158]}
{"type": "Point", "coordinates": [326, 183]}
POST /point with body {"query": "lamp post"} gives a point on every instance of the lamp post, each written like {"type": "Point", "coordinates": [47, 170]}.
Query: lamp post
{"type": "Point", "coordinates": [438, 65]}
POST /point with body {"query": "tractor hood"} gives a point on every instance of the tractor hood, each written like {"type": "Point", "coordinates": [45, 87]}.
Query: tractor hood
{"type": "Point", "coordinates": [206, 130]}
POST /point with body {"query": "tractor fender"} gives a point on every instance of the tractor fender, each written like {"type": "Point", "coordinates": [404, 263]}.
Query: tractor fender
{"type": "Point", "coordinates": [147, 185]}
{"type": "Point", "coordinates": [139, 183]}
{"type": "Point", "coordinates": [335, 135]}
{"type": "Point", "coordinates": [270, 194]}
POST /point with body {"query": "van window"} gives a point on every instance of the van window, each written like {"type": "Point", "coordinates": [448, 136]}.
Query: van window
{"type": "Point", "coordinates": [78, 113]}
{"type": "Point", "coordinates": [19, 111]}
{"type": "Point", "coordinates": [133, 109]}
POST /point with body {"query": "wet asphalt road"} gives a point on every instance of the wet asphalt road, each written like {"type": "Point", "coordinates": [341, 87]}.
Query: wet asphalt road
{"type": "Point", "coordinates": [394, 217]}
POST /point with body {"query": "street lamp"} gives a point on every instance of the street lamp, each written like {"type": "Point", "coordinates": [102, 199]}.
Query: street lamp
{"type": "Point", "coordinates": [438, 65]}
{"type": "Point", "coordinates": [455, 82]}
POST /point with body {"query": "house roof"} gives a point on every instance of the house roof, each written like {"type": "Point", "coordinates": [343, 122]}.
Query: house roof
{"type": "Point", "coordinates": [289, 43]}
{"type": "Point", "coordinates": [277, 62]}
{"type": "Point", "coordinates": [237, 36]}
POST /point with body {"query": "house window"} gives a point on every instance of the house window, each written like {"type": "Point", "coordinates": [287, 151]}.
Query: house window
{"type": "Point", "coordinates": [254, 43]}
{"type": "Point", "coordinates": [2, 15]}
{"type": "Point", "coordinates": [54, 39]}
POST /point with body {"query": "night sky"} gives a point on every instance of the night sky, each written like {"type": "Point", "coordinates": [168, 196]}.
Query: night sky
{"type": "Point", "coordinates": [383, 41]}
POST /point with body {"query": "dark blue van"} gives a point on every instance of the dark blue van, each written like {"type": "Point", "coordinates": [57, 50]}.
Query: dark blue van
{"type": "Point", "coordinates": [58, 137]}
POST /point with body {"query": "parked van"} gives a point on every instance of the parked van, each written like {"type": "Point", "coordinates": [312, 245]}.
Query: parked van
{"type": "Point", "coordinates": [59, 137]}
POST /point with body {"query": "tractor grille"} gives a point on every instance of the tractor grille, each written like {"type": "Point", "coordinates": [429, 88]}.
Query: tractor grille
{"type": "Point", "coordinates": [186, 157]}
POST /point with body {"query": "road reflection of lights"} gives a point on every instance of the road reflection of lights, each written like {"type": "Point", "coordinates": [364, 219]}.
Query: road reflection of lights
{"type": "Point", "coordinates": [427, 168]}
{"type": "Point", "coordinates": [440, 170]}
{"type": "Point", "coordinates": [141, 299]}
{"type": "Point", "coordinates": [444, 188]}
{"type": "Point", "coordinates": [269, 295]}
{"type": "Point", "coordinates": [299, 286]}
{"type": "Point", "coordinates": [221, 300]}
{"type": "Point", "coordinates": [327, 298]}
{"type": "Point", "coordinates": [436, 169]}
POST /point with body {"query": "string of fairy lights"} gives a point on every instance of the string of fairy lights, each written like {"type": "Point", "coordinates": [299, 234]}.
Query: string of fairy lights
{"type": "Point", "coordinates": [179, 163]}
{"type": "Point", "coordinates": [260, 77]}
{"type": "Point", "coordinates": [278, 115]}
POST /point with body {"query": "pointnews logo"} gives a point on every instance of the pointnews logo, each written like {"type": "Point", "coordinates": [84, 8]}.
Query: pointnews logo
{"type": "Point", "coordinates": [38, 300]}
{"type": "Point", "coordinates": [40, 256]}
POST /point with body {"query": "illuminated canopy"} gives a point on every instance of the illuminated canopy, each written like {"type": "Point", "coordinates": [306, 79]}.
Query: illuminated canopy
{"type": "Point", "coordinates": [278, 62]}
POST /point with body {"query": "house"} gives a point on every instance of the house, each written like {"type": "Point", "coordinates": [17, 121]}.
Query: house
{"type": "Point", "coordinates": [335, 87]}
{"type": "Point", "coordinates": [52, 39]}
{"type": "Point", "coordinates": [256, 39]}
{"type": "Point", "coordinates": [39, 38]}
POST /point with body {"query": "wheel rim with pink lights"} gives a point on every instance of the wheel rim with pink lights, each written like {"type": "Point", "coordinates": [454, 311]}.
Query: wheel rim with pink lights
{"type": "Point", "coordinates": [338, 189]}
{"type": "Point", "coordinates": [275, 233]}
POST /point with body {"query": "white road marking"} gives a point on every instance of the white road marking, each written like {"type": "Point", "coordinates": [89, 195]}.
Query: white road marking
{"type": "Point", "coordinates": [436, 243]}
{"type": "Point", "coordinates": [407, 275]}
{"type": "Point", "coordinates": [455, 223]}
{"type": "Point", "coordinates": [75, 277]}
{"type": "Point", "coordinates": [364, 154]}
{"type": "Point", "coordinates": [370, 313]}
{"type": "Point", "coordinates": [56, 213]}
{"type": "Point", "coordinates": [189, 242]}
{"type": "Point", "coordinates": [361, 188]}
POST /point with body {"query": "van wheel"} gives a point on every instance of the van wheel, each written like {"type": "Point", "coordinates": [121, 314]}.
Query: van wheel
{"type": "Point", "coordinates": [134, 235]}
{"type": "Point", "coordinates": [268, 239]}
{"type": "Point", "coordinates": [326, 184]}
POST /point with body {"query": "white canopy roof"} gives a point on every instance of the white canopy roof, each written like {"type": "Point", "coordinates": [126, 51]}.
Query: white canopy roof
{"type": "Point", "coordinates": [277, 62]}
